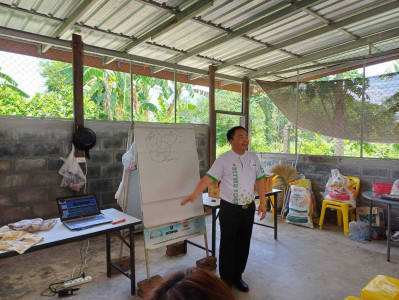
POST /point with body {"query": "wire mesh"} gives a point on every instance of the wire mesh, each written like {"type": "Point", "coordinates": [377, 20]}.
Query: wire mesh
{"type": "Point", "coordinates": [153, 99]}
{"type": "Point", "coordinates": [192, 104]}
{"type": "Point", "coordinates": [35, 87]}
{"type": "Point", "coordinates": [330, 118]}
{"type": "Point", "coordinates": [228, 101]}
{"type": "Point", "coordinates": [271, 131]}
{"type": "Point", "coordinates": [223, 124]}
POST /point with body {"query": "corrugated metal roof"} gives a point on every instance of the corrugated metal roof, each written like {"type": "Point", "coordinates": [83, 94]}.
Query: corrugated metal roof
{"type": "Point", "coordinates": [286, 28]}
{"type": "Point", "coordinates": [191, 34]}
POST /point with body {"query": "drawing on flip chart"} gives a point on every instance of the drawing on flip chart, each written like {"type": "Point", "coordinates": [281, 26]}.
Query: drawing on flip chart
{"type": "Point", "coordinates": [159, 144]}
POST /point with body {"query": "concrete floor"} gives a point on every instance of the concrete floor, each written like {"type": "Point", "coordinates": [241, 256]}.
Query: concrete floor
{"type": "Point", "coordinates": [302, 264]}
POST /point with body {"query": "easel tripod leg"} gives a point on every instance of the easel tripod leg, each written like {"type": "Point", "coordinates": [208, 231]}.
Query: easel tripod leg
{"type": "Point", "coordinates": [206, 244]}
{"type": "Point", "coordinates": [147, 265]}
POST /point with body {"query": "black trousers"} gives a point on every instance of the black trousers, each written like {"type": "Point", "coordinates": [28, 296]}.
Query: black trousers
{"type": "Point", "coordinates": [235, 236]}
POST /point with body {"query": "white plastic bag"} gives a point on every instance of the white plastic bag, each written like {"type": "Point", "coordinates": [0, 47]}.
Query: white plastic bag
{"type": "Point", "coordinates": [395, 188]}
{"type": "Point", "coordinates": [338, 188]}
{"type": "Point", "coordinates": [73, 176]}
{"type": "Point", "coordinates": [129, 158]}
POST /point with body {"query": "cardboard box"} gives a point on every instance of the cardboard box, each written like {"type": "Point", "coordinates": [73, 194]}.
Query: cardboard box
{"type": "Point", "coordinates": [377, 215]}
{"type": "Point", "coordinates": [214, 190]}
{"type": "Point", "coordinates": [268, 182]}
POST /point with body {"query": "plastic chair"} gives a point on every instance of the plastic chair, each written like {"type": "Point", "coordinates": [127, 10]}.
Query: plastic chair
{"type": "Point", "coordinates": [272, 200]}
{"type": "Point", "coordinates": [381, 287]}
{"type": "Point", "coordinates": [343, 209]}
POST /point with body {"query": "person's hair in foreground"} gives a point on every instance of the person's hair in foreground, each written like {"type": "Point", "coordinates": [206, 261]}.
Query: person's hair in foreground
{"type": "Point", "coordinates": [193, 284]}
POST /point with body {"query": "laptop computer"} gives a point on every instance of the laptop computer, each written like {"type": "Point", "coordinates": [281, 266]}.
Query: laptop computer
{"type": "Point", "coordinates": [80, 212]}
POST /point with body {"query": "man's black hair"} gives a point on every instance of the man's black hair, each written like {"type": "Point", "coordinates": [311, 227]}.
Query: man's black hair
{"type": "Point", "coordinates": [230, 133]}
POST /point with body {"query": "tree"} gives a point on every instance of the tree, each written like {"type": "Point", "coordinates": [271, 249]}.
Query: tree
{"type": "Point", "coordinates": [393, 68]}
{"type": "Point", "coordinates": [152, 97]}
{"type": "Point", "coordinates": [6, 82]}
{"type": "Point", "coordinates": [267, 124]}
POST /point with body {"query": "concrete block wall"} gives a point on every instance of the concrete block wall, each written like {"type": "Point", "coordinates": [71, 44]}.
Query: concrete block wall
{"type": "Point", "coordinates": [29, 163]}
{"type": "Point", "coordinates": [318, 169]}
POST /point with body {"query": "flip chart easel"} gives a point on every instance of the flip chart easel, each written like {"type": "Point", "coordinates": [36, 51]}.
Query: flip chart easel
{"type": "Point", "coordinates": [168, 171]}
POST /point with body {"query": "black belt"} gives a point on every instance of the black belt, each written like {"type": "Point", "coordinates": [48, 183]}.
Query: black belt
{"type": "Point", "coordinates": [236, 205]}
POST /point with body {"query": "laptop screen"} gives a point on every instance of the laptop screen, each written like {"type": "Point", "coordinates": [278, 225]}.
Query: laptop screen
{"type": "Point", "coordinates": [78, 206]}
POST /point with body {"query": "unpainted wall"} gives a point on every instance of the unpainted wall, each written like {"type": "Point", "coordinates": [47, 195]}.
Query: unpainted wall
{"type": "Point", "coordinates": [30, 151]}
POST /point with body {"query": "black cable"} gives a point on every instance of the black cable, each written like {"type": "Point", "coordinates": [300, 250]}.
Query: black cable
{"type": "Point", "coordinates": [58, 284]}
{"type": "Point", "coordinates": [53, 291]}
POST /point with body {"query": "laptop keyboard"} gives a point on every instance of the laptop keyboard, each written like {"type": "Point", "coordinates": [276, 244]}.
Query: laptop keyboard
{"type": "Point", "coordinates": [90, 221]}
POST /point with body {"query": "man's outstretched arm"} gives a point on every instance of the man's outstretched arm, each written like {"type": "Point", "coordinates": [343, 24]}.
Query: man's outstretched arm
{"type": "Point", "coordinates": [202, 185]}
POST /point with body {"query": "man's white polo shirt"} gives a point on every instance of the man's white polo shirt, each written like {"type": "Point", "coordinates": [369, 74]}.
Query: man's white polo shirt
{"type": "Point", "coordinates": [237, 174]}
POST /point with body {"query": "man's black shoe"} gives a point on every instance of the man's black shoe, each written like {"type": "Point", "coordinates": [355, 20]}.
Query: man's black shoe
{"type": "Point", "coordinates": [241, 285]}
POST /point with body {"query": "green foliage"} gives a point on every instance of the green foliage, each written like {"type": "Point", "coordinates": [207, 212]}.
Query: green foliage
{"type": "Point", "coordinates": [6, 82]}
{"type": "Point", "coordinates": [192, 107]}
{"type": "Point", "coordinates": [107, 97]}
{"type": "Point", "coordinates": [394, 68]}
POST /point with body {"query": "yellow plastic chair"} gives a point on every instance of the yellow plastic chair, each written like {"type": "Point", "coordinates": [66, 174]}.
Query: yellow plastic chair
{"type": "Point", "coordinates": [272, 200]}
{"type": "Point", "coordinates": [343, 209]}
{"type": "Point", "coordinates": [381, 288]}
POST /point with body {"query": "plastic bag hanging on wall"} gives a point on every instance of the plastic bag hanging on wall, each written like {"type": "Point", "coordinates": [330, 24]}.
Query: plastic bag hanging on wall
{"type": "Point", "coordinates": [129, 158]}
{"type": "Point", "coordinates": [73, 176]}
{"type": "Point", "coordinates": [84, 139]}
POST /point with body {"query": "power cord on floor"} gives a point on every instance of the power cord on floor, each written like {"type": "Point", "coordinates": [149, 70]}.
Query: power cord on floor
{"type": "Point", "coordinates": [54, 288]}
{"type": "Point", "coordinates": [61, 292]}
{"type": "Point", "coordinates": [55, 291]}
{"type": "Point", "coordinates": [83, 263]}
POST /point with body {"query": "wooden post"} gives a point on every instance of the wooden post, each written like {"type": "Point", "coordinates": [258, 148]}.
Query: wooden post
{"type": "Point", "coordinates": [212, 116]}
{"type": "Point", "coordinates": [206, 244]}
{"type": "Point", "coordinates": [77, 63]}
{"type": "Point", "coordinates": [147, 265]}
{"type": "Point", "coordinates": [245, 101]}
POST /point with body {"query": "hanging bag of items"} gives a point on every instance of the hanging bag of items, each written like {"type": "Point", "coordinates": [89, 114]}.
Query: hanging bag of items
{"type": "Point", "coordinates": [73, 176]}
{"type": "Point", "coordinates": [129, 158]}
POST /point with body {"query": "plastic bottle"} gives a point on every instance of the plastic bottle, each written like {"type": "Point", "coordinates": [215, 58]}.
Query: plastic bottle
{"type": "Point", "coordinates": [358, 231]}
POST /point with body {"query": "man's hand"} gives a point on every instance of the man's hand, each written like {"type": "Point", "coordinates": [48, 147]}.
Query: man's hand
{"type": "Point", "coordinates": [189, 198]}
{"type": "Point", "coordinates": [262, 208]}
{"type": "Point", "coordinates": [205, 181]}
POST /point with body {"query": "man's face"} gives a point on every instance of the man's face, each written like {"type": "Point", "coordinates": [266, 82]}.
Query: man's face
{"type": "Point", "coordinates": [239, 142]}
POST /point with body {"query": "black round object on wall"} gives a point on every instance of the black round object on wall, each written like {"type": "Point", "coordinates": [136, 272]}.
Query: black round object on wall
{"type": "Point", "coordinates": [84, 139]}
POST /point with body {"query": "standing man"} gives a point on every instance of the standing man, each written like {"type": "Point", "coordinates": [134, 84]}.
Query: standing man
{"type": "Point", "coordinates": [238, 171]}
